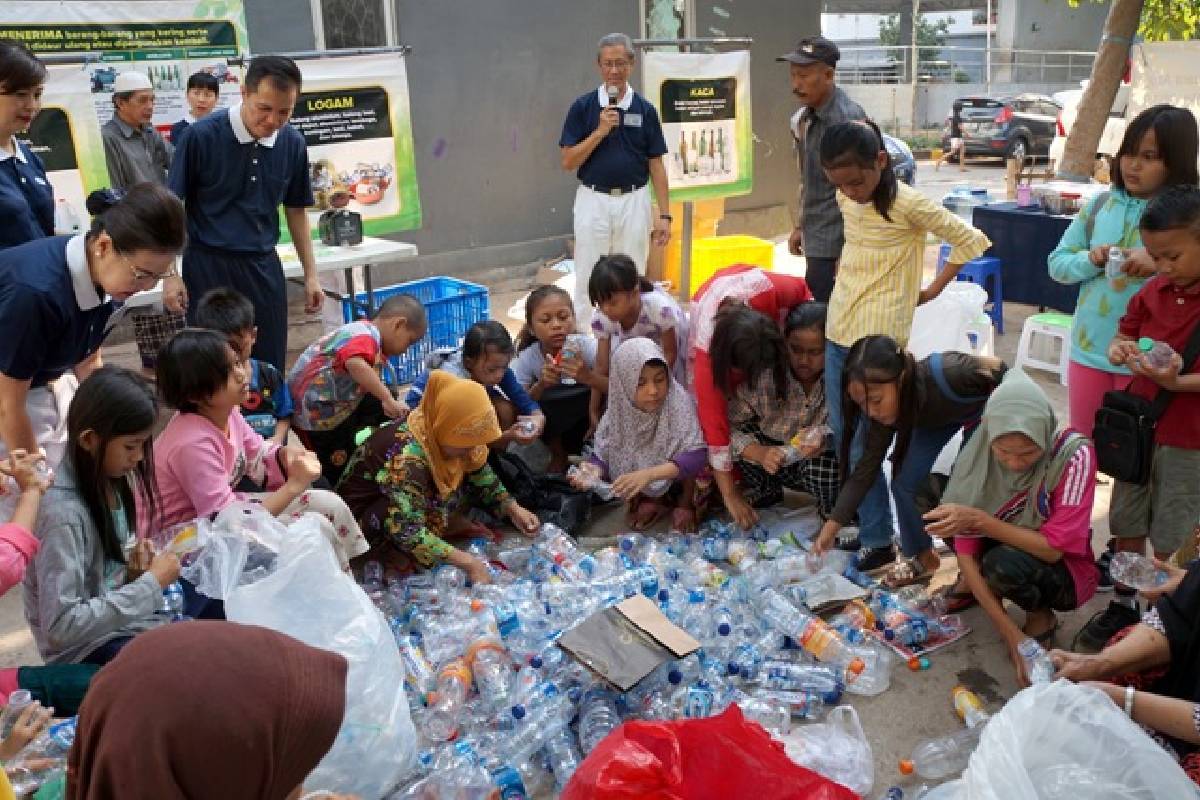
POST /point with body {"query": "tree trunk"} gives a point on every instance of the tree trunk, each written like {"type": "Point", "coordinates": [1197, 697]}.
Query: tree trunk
{"type": "Point", "coordinates": [1079, 155]}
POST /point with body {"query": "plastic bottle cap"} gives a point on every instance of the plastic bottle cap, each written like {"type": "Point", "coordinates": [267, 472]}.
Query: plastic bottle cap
{"type": "Point", "coordinates": [889, 634]}
{"type": "Point", "coordinates": [906, 767]}
{"type": "Point", "coordinates": [1145, 344]}
{"type": "Point", "coordinates": [724, 629]}
{"type": "Point", "coordinates": [914, 663]}
{"type": "Point", "coordinates": [924, 662]}
{"type": "Point", "coordinates": [477, 606]}
{"type": "Point", "coordinates": [536, 662]}
{"type": "Point", "coordinates": [857, 666]}
{"type": "Point", "coordinates": [518, 712]}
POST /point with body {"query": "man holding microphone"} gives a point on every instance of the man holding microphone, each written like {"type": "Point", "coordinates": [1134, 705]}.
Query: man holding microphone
{"type": "Point", "coordinates": [613, 140]}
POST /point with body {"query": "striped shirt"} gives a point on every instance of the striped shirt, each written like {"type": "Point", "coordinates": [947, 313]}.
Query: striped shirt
{"type": "Point", "coordinates": [879, 275]}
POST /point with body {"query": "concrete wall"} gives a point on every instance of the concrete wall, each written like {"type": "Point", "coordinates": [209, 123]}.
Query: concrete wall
{"type": "Point", "coordinates": [1048, 26]}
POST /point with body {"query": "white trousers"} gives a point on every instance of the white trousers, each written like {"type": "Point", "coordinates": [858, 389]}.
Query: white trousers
{"type": "Point", "coordinates": [47, 409]}
{"type": "Point", "coordinates": [607, 225]}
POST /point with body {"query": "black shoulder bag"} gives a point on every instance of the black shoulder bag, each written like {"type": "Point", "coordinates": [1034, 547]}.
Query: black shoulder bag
{"type": "Point", "coordinates": [1125, 423]}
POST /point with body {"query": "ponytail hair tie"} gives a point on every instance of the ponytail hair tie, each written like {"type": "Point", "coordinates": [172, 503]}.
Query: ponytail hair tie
{"type": "Point", "coordinates": [102, 200]}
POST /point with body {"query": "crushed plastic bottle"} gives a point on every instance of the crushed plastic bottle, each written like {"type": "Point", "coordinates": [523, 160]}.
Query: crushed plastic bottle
{"type": "Point", "coordinates": [588, 475]}
{"type": "Point", "coordinates": [943, 757]}
{"type": "Point", "coordinates": [916, 631]}
{"type": "Point", "coordinates": [18, 700]}
{"type": "Point", "coordinates": [453, 686]}
{"type": "Point", "coordinates": [1116, 260]}
{"type": "Point", "coordinates": [813, 634]}
{"type": "Point", "coordinates": [969, 707]}
{"type": "Point", "coordinates": [1137, 572]}
{"type": "Point", "coordinates": [598, 718]}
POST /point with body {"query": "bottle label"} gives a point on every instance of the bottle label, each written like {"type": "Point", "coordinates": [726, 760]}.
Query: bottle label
{"type": "Point", "coordinates": [455, 670]}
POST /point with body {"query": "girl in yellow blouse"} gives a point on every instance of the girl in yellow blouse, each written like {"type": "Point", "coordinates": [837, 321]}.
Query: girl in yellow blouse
{"type": "Point", "coordinates": [878, 285]}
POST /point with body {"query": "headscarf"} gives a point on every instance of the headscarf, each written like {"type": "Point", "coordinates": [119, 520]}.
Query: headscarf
{"type": "Point", "coordinates": [207, 711]}
{"type": "Point", "coordinates": [629, 439]}
{"type": "Point", "coordinates": [978, 480]}
{"type": "Point", "coordinates": [454, 413]}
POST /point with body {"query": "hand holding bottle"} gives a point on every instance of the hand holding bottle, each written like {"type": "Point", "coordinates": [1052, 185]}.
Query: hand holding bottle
{"type": "Point", "coordinates": [30, 724]}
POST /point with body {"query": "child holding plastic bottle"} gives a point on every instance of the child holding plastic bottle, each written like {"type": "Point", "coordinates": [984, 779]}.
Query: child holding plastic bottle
{"type": "Point", "coordinates": [648, 444]}
{"type": "Point", "coordinates": [878, 285]}
{"type": "Point", "coordinates": [1159, 150]}
{"type": "Point", "coordinates": [556, 365]}
{"type": "Point", "coordinates": [628, 305]}
{"type": "Point", "coordinates": [486, 352]}
{"type": "Point", "coordinates": [95, 583]}
{"type": "Point", "coordinates": [780, 439]}
{"type": "Point", "coordinates": [1019, 507]}
{"type": "Point", "coordinates": [738, 314]}
{"type": "Point", "coordinates": [411, 482]}
{"type": "Point", "coordinates": [207, 447]}
{"type": "Point", "coordinates": [1165, 310]}
{"type": "Point", "coordinates": [919, 404]}
{"type": "Point", "coordinates": [336, 386]}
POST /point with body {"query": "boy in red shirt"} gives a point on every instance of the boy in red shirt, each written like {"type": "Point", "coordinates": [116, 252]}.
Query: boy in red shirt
{"type": "Point", "coordinates": [1167, 309]}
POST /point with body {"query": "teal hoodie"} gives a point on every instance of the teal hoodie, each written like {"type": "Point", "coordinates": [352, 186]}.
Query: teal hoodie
{"type": "Point", "coordinates": [1101, 302]}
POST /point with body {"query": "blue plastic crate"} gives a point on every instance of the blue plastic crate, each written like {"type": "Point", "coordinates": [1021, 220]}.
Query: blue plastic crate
{"type": "Point", "coordinates": [451, 305]}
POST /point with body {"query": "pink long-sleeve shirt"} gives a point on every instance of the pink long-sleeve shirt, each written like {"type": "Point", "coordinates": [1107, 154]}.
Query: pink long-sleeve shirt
{"type": "Point", "coordinates": [197, 466]}
{"type": "Point", "coordinates": [17, 548]}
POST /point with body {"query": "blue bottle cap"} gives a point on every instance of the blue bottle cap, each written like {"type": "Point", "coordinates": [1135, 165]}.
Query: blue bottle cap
{"type": "Point", "coordinates": [663, 596]}
{"type": "Point", "coordinates": [724, 629]}
{"type": "Point", "coordinates": [518, 712]}
{"type": "Point", "coordinates": [536, 662]}
{"type": "Point", "coordinates": [889, 634]}
{"type": "Point", "coordinates": [674, 677]}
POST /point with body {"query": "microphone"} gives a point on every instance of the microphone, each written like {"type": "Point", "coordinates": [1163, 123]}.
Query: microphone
{"type": "Point", "coordinates": [614, 96]}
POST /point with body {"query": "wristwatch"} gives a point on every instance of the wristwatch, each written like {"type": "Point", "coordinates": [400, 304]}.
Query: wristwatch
{"type": "Point", "coordinates": [667, 217]}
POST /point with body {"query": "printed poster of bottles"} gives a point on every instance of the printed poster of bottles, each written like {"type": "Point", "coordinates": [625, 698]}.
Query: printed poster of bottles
{"type": "Point", "coordinates": [700, 125]}
{"type": "Point", "coordinates": [168, 78]}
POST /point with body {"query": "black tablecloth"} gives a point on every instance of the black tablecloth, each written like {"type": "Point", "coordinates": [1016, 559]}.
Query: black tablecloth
{"type": "Point", "coordinates": [1023, 241]}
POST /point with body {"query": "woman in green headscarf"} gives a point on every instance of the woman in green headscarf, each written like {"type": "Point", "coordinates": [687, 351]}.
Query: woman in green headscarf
{"type": "Point", "coordinates": [1019, 506]}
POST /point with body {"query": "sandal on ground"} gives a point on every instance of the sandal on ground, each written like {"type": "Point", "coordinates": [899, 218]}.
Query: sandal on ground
{"type": "Point", "coordinates": [1045, 636]}
{"type": "Point", "coordinates": [906, 572]}
{"type": "Point", "coordinates": [958, 599]}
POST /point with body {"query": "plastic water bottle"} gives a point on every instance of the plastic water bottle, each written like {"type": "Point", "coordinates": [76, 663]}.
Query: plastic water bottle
{"type": "Point", "coordinates": [809, 632]}
{"type": "Point", "coordinates": [1156, 355]}
{"type": "Point", "coordinates": [1038, 665]}
{"type": "Point", "coordinates": [453, 686]}
{"type": "Point", "coordinates": [699, 701]}
{"type": "Point", "coordinates": [597, 718]}
{"type": "Point", "coordinates": [17, 702]}
{"type": "Point", "coordinates": [563, 756]}
{"type": "Point", "coordinates": [969, 707]}
{"type": "Point", "coordinates": [943, 757]}
{"type": "Point", "coordinates": [418, 672]}
{"type": "Point", "coordinates": [919, 630]}
{"type": "Point", "coordinates": [1116, 259]}
{"type": "Point", "coordinates": [772, 714]}
{"type": "Point", "coordinates": [173, 601]}
{"type": "Point", "coordinates": [66, 221]}
{"type": "Point", "coordinates": [801, 704]}
{"type": "Point", "coordinates": [1136, 571]}
{"type": "Point", "coordinates": [492, 670]}
{"type": "Point", "coordinates": [588, 475]}
{"type": "Point", "coordinates": [813, 678]}
{"type": "Point", "coordinates": [571, 349]}
{"type": "Point", "coordinates": [723, 621]}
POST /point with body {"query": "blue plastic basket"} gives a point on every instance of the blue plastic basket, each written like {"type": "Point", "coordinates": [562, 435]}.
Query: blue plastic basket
{"type": "Point", "coordinates": [451, 305]}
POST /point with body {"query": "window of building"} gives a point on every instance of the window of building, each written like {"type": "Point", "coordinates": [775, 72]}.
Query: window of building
{"type": "Point", "coordinates": [348, 24]}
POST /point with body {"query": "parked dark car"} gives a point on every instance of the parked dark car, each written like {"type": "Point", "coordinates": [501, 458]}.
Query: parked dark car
{"type": "Point", "coordinates": [1008, 127]}
{"type": "Point", "coordinates": [903, 163]}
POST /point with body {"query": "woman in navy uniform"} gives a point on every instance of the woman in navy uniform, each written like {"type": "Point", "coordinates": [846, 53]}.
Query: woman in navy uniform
{"type": "Point", "coordinates": [59, 298]}
{"type": "Point", "coordinates": [26, 199]}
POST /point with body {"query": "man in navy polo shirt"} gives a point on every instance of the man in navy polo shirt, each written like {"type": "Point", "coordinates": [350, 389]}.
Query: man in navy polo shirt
{"type": "Point", "coordinates": [233, 170]}
{"type": "Point", "coordinates": [613, 140]}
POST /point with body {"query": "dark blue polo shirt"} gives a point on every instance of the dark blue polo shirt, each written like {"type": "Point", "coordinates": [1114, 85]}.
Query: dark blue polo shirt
{"type": "Point", "coordinates": [44, 331]}
{"type": "Point", "coordinates": [623, 158]}
{"type": "Point", "coordinates": [177, 131]}
{"type": "Point", "coordinates": [232, 191]}
{"type": "Point", "coordinates": [26, 199]}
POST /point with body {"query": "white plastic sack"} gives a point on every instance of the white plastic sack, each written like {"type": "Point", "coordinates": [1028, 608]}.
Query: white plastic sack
{"type": "Point", "coordinates": [836, 748]}
{"type": "Point", "coordinates": [1061, 740]}
{"type": "Point", "coordinates": [305, 595]}
{"type": "Point", "coordinates": [943, 323]}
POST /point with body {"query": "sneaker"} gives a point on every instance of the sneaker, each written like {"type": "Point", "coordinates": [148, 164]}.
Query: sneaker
{"type": "Point", "coordinates": [847, 539]}
{"type": "Point", "coordinates": [873, 558]}
{"type": "Point", "coordinates": [1104, 625]}
{"type": "Point", "coordinates": [1106, 581]}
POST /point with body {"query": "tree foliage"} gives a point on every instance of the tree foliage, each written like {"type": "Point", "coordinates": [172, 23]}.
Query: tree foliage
{"type": "Point", "coordinates": [1165, 19]}
{"type": "Point", "coordinates": [931, 36]}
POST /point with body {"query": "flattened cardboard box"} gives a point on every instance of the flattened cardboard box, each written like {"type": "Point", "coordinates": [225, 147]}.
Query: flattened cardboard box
{"type": "Point", "coordinates": [625, 643]}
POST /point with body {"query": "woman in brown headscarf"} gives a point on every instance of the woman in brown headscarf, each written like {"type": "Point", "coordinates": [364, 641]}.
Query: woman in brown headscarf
{"type": "Point", "coordinates": [207, 711]}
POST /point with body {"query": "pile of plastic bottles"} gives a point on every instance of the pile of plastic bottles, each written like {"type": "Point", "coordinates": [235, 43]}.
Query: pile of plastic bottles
{"type": "Point", "coordinates": [500, 707]}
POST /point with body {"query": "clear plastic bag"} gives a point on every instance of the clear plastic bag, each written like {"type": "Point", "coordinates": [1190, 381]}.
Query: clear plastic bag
{"type": "Point", "coordinates": [302, 592]}
{"type": "Point", "coordinates": [238, 547]}
{"type": "Point", "coordinates": [943, 323]}
{"type": "Point", "coordinates": [836, 748]}
{"type": "Point", "coordinates": [1060, 740]}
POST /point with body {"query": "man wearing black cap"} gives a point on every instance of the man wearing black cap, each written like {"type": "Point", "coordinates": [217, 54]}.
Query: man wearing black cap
{"type": "Point", "coordinates": [818, 233]}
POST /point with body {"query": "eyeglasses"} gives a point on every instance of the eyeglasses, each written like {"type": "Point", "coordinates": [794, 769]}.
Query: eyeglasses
{"type": "Point", "coordinates": [617, 65]}
{"type": "Point", "coordinates": [145, 276]}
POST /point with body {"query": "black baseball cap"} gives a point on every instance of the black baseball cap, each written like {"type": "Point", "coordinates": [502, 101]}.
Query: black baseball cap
{"type": "Point", "coordinates": [813, 50]}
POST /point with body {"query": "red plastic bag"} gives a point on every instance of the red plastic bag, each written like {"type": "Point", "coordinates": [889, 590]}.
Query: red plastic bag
{"type": "Point", "coordinates": [724, 757]}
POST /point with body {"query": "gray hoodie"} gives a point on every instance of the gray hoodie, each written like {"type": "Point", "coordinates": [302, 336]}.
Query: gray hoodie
{"type": "Point", "coordinates": [67, 605]}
